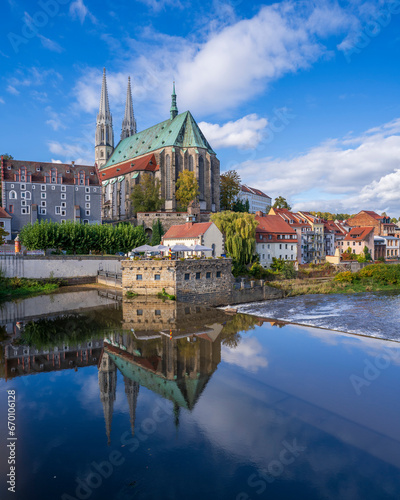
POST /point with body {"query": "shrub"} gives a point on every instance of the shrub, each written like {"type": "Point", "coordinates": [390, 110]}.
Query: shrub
{"type": "Point", "coordinates": [346, 277]}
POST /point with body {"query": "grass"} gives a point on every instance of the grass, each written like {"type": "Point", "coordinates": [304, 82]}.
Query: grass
{"type": "Point", "coordinates": [22, 287]}
{"type": "Point", "coordinates": [306, 287]}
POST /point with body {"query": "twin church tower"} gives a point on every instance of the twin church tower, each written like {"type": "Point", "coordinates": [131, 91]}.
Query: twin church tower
{"type": "Point", "coordinates": [104, 145]}
{"type": "Point", "coordinates": [162, 151]}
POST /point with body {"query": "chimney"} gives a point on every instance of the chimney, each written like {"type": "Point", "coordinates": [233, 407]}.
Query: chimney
{"type": "Point", "coordinates": [259, 213]}
{"type": "Point", "coordinates": [73, 163]}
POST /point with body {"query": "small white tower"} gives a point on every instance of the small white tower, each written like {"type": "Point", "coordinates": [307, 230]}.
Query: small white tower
{"type": "Point", "coordinates": [104, 145]}
{"type": "Point", "coordinates": [129, 122]}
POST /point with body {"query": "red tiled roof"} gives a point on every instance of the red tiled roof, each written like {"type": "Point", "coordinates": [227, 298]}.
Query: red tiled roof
{"type": "Point", "coordinates": [372, 214]}
{"type": "Point", "coordinates": [273, 224]}
{"type": "Point", "coordinates": [144, 164]}
{"type": "Point", "coordinates": [39, 170]}
{"type": "Point", "coordinates": [358, 233]}
{"type": "Point", "coordinates": [4, 214]}
{"type": "Point", "coordinates": [248, 189]}
{"type": "Point", "coordinates": [188, 230]}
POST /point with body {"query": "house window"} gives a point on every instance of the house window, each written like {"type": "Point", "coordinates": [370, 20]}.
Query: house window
{"type": "Point", "coordinates": [280, 246]}
{"type": "Point", "coordinates": [157, 277]}
{"type": "Point", "coordinates": [208, 275]}
{"type": "Point", "coordinates": [43, 188]}
{"type": "Point", "coordinates": [23, 203]}
{"type": "Point", "coordinates": [87, 212]}
{"type": "Point", "coordinates": [63, 188]}
{"type": "Point", "coordinates": [157, 312]}
{"type": "Point", "coordinates": [25, 211]}
{"type": "Point", "coordinates": [87, 189]}
{"type": "Point", "coordinates": [63, 204]}
{"type": "Point", "coordinates": [43, 196]}
{"type": "Point", "coordinates": [63, 213]}
{"type": "Point", "coordinates": [63, 196]}
{"type": "Point", "coordinates": [11, 209]}
{"type": "Point", "coordinates": [198, 276]}
{"type": "Point", "coordinates": [33, 187]}
{"type": "Point", "coordinates": [187, 276]}
{"type": "Point", "coordinates": [87, 197]}
{"type": "Point", "coordinates": [138, 277]}
{"type": "Point", "coordinates": [87, 205]}
{"type": "Point", "coordinates": [139, 312]}
{"type": "Point", "coordinates": [13, 195]}
{"type": "Point", "coordinates": [42, 203]}
{"type": "Point", "coordinates": [85, 221]}
{"type": "Point", "coordinates": [218, 274]}
{"type": "Point", "coordinates": [42, 211]}
{"type": "Point", "coordinates": [58, 210]}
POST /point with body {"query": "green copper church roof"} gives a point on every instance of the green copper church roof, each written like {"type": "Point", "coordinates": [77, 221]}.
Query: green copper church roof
{"type": "Point", "coordinates": [182, 131]}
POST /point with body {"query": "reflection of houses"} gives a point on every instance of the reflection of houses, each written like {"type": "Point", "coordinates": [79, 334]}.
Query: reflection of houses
{"type": "Point", "coordinates": [171, 349]}
{"type": "Point", "coordinates": [24, 360]}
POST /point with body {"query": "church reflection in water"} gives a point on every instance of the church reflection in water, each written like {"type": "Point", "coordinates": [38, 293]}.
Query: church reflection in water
{"type": "Point", "coordinates": [171, 349]}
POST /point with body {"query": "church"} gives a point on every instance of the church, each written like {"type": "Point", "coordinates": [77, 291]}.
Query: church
{"type": "Point", "coordinates": [163, 151]}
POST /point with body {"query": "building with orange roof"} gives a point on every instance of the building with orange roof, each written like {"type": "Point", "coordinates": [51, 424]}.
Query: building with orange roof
{"type": "Point", "coordinates": [358, 238]}
{"type": "Point", "coordinates": [196, 233]}
{"type": "Point", "coordinates": [275, 238]}
{"type": "Point", "coordinates": [381, 223]}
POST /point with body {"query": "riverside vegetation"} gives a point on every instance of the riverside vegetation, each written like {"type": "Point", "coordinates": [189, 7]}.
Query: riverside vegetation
{"type": "Point", "coordinates": [21, 287]}
{"type": "Point", "coordinates": [372, 278]}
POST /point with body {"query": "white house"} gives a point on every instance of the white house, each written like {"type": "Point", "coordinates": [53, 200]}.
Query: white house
{"type": "Point", "coordinates": [275, 238]}
{"type": "Point", "coordinates": [196, 233]}
{"type": "Point", "coordinates": [258, 201]}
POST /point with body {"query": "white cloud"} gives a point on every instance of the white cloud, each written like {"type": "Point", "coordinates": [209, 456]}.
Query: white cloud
{"type": "Point", "coordinates": [348, 174]}
{"type": "Point", "coordinates": [158, 5]}
{"type": "Point", "coordinates": [247, 355]}
{"type": "Point", "coordinates": [228, 64]}
{"type": "Point", "coordinates": [12, 90]}
{"type": "Point", "coordinates": [55, 161]}
{"type": "Point", "coordinates": [79, 10]}
{"type": "Point", "coordinates": [50, 44]}
{"type": "Point", "coordinates": [2, 100]}
{"type": "Point", "coordinates": [81, 154]}
{"type": "Point", "coordinates": [245, 133]}
{"type": "Point", "coordinates": [56, 120]}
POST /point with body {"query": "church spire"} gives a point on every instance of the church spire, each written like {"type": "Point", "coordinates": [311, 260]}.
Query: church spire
{"type": "Point", "coordinates": [174, 108]}
{"type": "Point", "coordinates": [104, 144]}
{"type": "Point", "coordinates": [129, 122]}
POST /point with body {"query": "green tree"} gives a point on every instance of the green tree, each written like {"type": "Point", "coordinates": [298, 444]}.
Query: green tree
{"type": "Point", "coordinates": [146, 195]}
{"type": "Point", "coordinates": [394, 220]}
{"type": "Point", "coordinates": [3, 234]}
{"type": "Point", "coordinates": [280, 202]}
{"type": "Point", "coordinates": [229, 189]}
{"type": "Point", "coordinates": [240, 206]}
{"type": "Point", "coordinates": [7, 157]}
{"type": "Point", "coordinates": [239, 230]}
{"type": "Point", "coordinates": [187, 189]}
{"type": "Point", "coordinates": [157, 233]}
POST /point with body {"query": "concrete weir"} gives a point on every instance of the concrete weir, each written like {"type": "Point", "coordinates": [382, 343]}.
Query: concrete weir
{"type": "Point", "coordinates": [200, 281]}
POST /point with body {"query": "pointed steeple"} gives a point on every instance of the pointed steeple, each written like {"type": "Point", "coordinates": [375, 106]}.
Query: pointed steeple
{"type": "Point", "coordinates": [129, 122]}
{"type": "Point", "coordinates": [132, 392]}
{"type": "Point", "coordinates": [174, 108]}
{"type": "Point", "coordinates": [104, 144]}
{"type": "Point", "coordinates": [108, 386]}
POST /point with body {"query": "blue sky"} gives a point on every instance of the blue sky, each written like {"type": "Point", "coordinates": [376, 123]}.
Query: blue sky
{"type": "Point", "coordinates": [301, 98]}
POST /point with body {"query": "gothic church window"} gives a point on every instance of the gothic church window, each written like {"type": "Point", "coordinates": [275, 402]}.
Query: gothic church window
{"type": "Point", "coordinates": [201, 177]}
{"type": "Point", "coordinates": [168, 177]}
{"type": "Point", "coordinates": [191, 163]}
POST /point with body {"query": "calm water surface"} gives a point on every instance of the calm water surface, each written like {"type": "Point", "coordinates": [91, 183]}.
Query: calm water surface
{"type": "Point", "coordinates": [156, 400]}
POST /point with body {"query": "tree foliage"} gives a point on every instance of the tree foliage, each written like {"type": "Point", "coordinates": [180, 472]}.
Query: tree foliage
{"type": "Point", "coordinates": [7, 157]}
{"type": "Point", "coordinates": [280, 202]}
{"type": "Point", "coordinates": [157, 233]}
{"type": "Point", "coordinates": [3, 235]}
{"type": "Point", "coordinates": [239, 230]}
{"type": "Point", "coordinates": [74, 237]}
{"type": "Point", "coordinates": [229, 189]}
{"type": "Point", "coordinates": [187, 189]}
{"type": "Point", "coordinates": [146, 195]}
{"type": "Point", "coordinates": [331, 216]}
{"type": "Point", "coordinates": [240, 206]}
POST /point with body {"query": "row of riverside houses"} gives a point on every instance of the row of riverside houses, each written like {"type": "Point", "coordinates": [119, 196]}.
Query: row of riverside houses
{"type": "Point", "coordinates": [305, 238]}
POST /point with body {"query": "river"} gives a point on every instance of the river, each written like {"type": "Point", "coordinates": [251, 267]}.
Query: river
{"type": "Point", "coordinates": [146, 399]}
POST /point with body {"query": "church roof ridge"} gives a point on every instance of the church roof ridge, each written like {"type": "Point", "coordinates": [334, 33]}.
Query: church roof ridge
{"type": "Point", "coordinates": [182, 131]}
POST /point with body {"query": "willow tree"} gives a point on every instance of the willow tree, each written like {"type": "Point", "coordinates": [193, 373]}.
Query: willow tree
{"type": "Point", "coordinates": [239, 230]}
